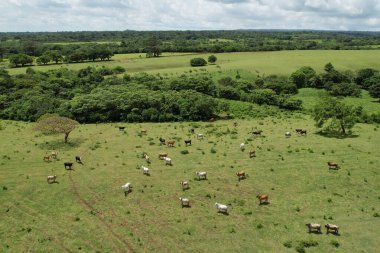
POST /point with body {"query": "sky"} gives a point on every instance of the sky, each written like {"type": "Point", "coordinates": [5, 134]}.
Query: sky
{"type": "Point", "coordinates": [119, 15]}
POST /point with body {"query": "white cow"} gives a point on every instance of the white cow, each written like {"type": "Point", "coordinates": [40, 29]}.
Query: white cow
{"type": "Point", "coordinates": [145, 170]}
{"type": "Point", "coordinates": [184, 202]}
{"type": "Point", "coordinates": [202, 174]}
{"type": "Point", "coordinates": [288, 134]}
{"type": "Point", "coordinates": [221, 208]}
{"type": "Point", "coordinates": [147, 158]}
{"type": "Point", "coordinates": [242, 146]}
{"type": "Point", "coordinates": [200, 136]}
{"type": "Point", "coordinates": [168, 161]}
{"type": "Point", "coordinates": [51, 179]}
{"type": "Point", "coordinates": [185, 185]}
{"type": "Point", "coordinates": [126, 188]}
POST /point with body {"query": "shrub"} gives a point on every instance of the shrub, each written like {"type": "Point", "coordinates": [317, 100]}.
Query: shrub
{"type": "Point", "coordinates": [288, 244]}
{"type": "Point", "coordinates": [335, 243]}
{"type": "Point", "coordinates": [196, 62]}
{"type": "Point", "coordinates": [184, 152]}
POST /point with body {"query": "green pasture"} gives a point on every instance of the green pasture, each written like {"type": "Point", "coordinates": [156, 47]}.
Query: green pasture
{"type": "Point", "coordinates": [280, 62]}
{"type": "Point", "coordinates": [310, 98]}
{"type": "Point", "coordinates": [88, 212]}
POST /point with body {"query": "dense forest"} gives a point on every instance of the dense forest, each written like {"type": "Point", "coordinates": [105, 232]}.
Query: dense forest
{"type": "Point", "coordinates": [100, 95]}
{"type": "Point", "coordinates": [73, 45]}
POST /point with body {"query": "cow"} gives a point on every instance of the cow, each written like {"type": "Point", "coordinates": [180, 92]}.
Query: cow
{"type": "Point", "coordinates": [168, 161]}
{"type": "Point", "coordinates": [51, 179]}
{"type": "Point", "coordinates": [47, 158]}
{"type": "Point", "coordinates": [333, 165]}
{"type": "Point", "coordinates": [211, 120]}
{"type": "Point", "coordinates": [200, 136]}
{"type": "Point", "coordinates": [332, 227]}
{"type": "Point", "coordinates": [185, 202]}
{"type": "Point", "coordinates": [145, 170]}
{"type": "Point", "coordinates": [242, 146]}
{"type": "Point", "coordinates": [143, 131]}
{"type": "Point", "coordinates": [235, 124]}
{"type": "Point", "coordinates": [68, 165]}
{"type": "Point", "coordinates": [298, 130]}
{"type": "Point", "coordinates": [262, 198]}
{"type": "Point", "coordinates": [162, 141]}
{"type": "Point", "coordinates": [314, 227]}
{"type": "Point", "coordinates": [170, 143]}
{"type": "Point", "coordinates": [192, 130]}
{"type": "Point", "coordinates": [303, 132]}
{"type": "Point", "coordinates": [252, 153]}
{"type": "Point", "coordinates": [201, 174]}
{"type": "Point", "coordinates": [162, 155]}
{"type": "Point", "coordinates": [187, 142]}
{"type": "Point", "coordinates": [127, 188]}
{"type": "Point", "coordinates": [257, 132]}
{"type": "Point", "coordinates": [185, 185]}
{"type": "Point", "coordinates": [146, 157]}
{"type": "Point", "coordinates": [221, 208]}
{"type": "Point", "coordinates": [78, 159]}
{"type": "Point", "coordinates": [54, 154]}
{"type": "Point", "coordinates": [288, 134]}
{"type": "Point", "coordinates": [241, 175]}
{"type": "Point", "coordinates": [121, 128]}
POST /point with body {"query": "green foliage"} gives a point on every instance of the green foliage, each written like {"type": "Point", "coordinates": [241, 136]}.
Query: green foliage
{"type": "Point", "coordinates": [20, 59]}
{"type": "Point", "coordinates": [212, 59]}
{"type": "Point", "coordinates": [288, 244]}
{"type": "Point", "coordinates": [363, 75]}
{"type": "Point", "coordinates": [341, 117]}
{"type": "Point", "coordinates": [303, 77]}
{"type": "Point", "coordinates": [198, 62]}
{"type": "Point", "coordinates": [54, 124]}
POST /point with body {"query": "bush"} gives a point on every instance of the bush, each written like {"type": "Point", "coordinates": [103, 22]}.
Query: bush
{"type": "Point", "coordinates": [212, 59]}
{"type": "Point", "coordinates": [335, 243]}
{"type": "Point", "coordinates": [300, 249]}
{"type": "Point", "coordinates": [288, 244]}
{"type": "Point", "coordinates": [118, 70]}
{"type": "Point", "coordinates": [197, 62]}
{"type": "Point", "coordinates": [184, 152]}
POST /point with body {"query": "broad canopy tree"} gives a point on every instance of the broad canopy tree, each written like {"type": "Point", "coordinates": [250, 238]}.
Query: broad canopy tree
{"type": "Point", "coordinates": [55, 124]}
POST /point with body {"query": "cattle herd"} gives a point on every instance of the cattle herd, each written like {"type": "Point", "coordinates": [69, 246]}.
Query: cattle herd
{"type": "Point", "coordinates": [200, 175]}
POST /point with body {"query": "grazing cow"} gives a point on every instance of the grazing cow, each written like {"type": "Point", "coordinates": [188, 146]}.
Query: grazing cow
{"type": "Point", "coordinates": [78, 159]}
{"type": "Point", "coordinates": [168, 161]}
{"type": "Point", "coordinates": [332, 165]}
{"type": "Point", "coordinates": [221, 208]}
{"type": "Point", "coordinates": [162, 141]}
{"type": "Point", "coordinates": [170, 143]}
{"type": "Point", "coordinates": [145, 170]}
{"type": "Point", "coordinates": [235, 124]}
{"type": "Point", "coordinates": [314, 227]}
{"type": "Point", "coordinates": [298, 130]}
{"type": "Point", "coordinates": [54, 154]}
{"type": "Point", "coordinates": [201, 174]}
{"type": "Point", "coordinates": [185, 202]}
{"type": "Point", "coordinates": [162, 155]}
{"type": "Point", "coordinates": [192, 130]}
{"type": "Point", "coordinates": [287, 134]}
{"type": "Point", "coordinates": [126, 188]}
{"type": "Point", "coordinates": [262, 198]}
{"type": "Point", "coordinates": [47, 158]}
{"type": "Point", "coordinates": [200, 136]}
{"type": "Point", "coordinates": [185, 185]}
{"type": "Point", "coordinates": [303, 132]}
{"type": "Point", "coordinates": [51, 179]}
{"type": "Point", "coordinates": [332, 227]}
{"type": "Point", "coordinates": [121, 128]}
{"type": "Point", "coordinates": [242, 146]}
{"type": "Point", "coordinates": [146, 157]}
{"type": "Point", "coordinates": [68, 165]}
{"type": "Point", "coordinates": [252, 153]}
{"type": "Point", "coordinates": [211, 120]}
{"type": "Point", "coordinates": [241, 175]}
{"type": "Point", "coordinates": [257, 132]}
{"type": "Point", "coordinates": [143, 131]}
{"type": "Point", "coordinates": [187, 142]}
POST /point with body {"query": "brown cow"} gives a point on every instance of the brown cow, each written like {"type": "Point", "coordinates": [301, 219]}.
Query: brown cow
{"type": "Point", "coordinates": [332, 165]}
{"type": "Point", "coordinates": [241, 175]}
{"type": "Point", "coordinates": [262, 198]}
{"type": "Point", "coordinates": [162, 155]}
{"type": "Point", "coordinates": [170, 143]}
{"type": "Point", "coordinates": [143, 131]}
{"type": "Point", "coordinates": [54, 154]}
{"type": "Point", "coordinates": [47, 158]}
{"type": "Point", "coordinates": [257, 132]}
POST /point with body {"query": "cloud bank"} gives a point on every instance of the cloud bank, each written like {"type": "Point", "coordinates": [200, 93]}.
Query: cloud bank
{"type": "Point", "coordinates": [96, 15]}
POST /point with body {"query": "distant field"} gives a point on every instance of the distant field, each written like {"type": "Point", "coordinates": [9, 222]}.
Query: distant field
{"type": "Point", "coordinates": [309, 98]}
{"type": "Point", "coordinates": [280, 62]}
{"type": "Point", "coordinates": [88, 212]}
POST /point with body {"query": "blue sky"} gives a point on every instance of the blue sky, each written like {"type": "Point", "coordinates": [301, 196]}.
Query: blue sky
{"type": "Point", "coordinates": [99, 15]}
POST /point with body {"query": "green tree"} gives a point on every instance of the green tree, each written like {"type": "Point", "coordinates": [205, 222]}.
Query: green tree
{"type": "Point", "coordinates": [374, 89]}
{"type": "Point", "coordinates": [212, 59]}
{"type": "Point", "coordinates": [364, 74]}
{"type": "Point", "coordinates": [56, 56]}
{"type": "Point", "coordinates": [54, 124]}
{"type": "Point", "coordinates": [152, 47]}
{"type": "Point", "coordinates": [197, 62]}
{"type": "Point", "coordinates": [44, 59]}
{"type": "Point", "coordinates": [303, 77]}
{"type": "Point", "coordinates": [334, 113]}
{"type": "Point", "coordinates": [20, 59]}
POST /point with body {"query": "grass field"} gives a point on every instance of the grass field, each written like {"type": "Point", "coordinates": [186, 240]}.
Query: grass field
{"type": "Point", "coordinates": [280, 62]}
{"type": "Point", "coordinates": [88, 212]}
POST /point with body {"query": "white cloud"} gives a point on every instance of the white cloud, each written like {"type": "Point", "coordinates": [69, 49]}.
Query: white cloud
{"type": "Point", "coordinates": [64, 15]}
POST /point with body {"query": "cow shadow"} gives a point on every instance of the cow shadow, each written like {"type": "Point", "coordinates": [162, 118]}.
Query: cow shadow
{"type": "Point", "coordinates": [224, 213]}
{"type": "Point", "coordinates": [315, 232]}
{"type": "Point", "coordinates": [264, 203]}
